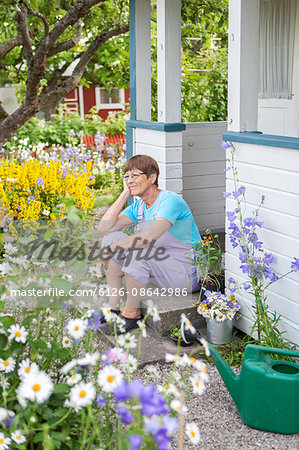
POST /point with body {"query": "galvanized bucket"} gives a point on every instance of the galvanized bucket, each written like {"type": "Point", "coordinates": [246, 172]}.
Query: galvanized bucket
{"type": "Point", "coordinates": [219, 332]}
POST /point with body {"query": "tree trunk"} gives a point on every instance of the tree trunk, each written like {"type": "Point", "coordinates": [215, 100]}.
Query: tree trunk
{"type": "Point", "coordinates": [50, 109]}
{"type": "Point", "coordinates": [10, 125]}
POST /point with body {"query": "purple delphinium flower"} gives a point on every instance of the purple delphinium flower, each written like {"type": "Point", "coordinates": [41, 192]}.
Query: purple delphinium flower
{"type": "Point", "coordinates": [231, 280]}
{"type": "Point", "coordinates": [93, 323]}
{"type": "Point", "coordinates": [19, 207]}
{"type": "Point", "coordinates": [170, 423]}
{"type": "Point", "coordinates": [245, 268]}
{"type": "Point", "coordinates": [233, 241]}
{"type": "Point", "coordinates": [125, 415]}
{"type": "Point", "coordinates": [135, 441]}
{"type": "Point", "coordinates": [231, 216]}
{"type": "Point", "coordinates": [101, 400]}
{"type": "Point", "coordinates": [235, 231]}
{"type": "Point", "coordinates": [152, 402]}
{"type": "Point", "coordinates": [226, 144]}
{"type": "Point", "coordinates": [72, 132]}
{"type": "Point", "coordinates": [239, 192]}
{"type": "Point", "coordinates": [295, 265]}
{"type": "Point", "coordinates": [246, 286]}
{"type": "Point", "coordinates": [225, 194]}
{"type": "Point", "coordinates": [268, 259]}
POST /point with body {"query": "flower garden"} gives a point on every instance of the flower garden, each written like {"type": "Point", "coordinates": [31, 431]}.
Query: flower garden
{"type": "Point", "coordinates": [60, 385]}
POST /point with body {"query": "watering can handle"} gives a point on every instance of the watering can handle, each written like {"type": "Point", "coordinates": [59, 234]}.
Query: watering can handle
{"type": "Point", "coordinates": [278, 351]}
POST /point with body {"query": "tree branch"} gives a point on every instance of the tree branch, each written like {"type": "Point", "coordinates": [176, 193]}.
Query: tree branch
{"type": "Point", "coordinates": [68, 44]}
{"type": "Point", "coordinates": [41, 16]}
{"type": "Point", "coordinates": [14, 42]}
{"type": "Point", "coordinates": [21, 16]}
{"type": "Point", "coordinates": [71, 82]}
{"type": "Point", "coordinates": [3, 113]}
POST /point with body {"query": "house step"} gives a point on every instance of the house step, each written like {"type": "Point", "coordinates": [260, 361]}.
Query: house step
{"type": "Point", "coordinates": [170, 308]}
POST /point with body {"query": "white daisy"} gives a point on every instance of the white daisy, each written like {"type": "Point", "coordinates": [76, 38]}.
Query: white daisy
{"type": "Point", "coordinates": [4, 442]}
{"type": "Point", "coordinates": [68, 366]}
{"type": "Point", "coordinates": [188, 324]}
{"type": "Point", "coordinates": [178, 406]}
{"type": "Point", "coordinates": [169, 389]}
{"type": "Point", "coordinates": [9, 248]}
{"type": "Point", "coordinates": [18, 437]}
{"type": "Point", "coordinates": [73, 379]}
{"type": "Point", "coordinates": [82, 394]}
{"type": "Point", "coordinates": [37, 387]}
{"type": "Point", "coordinates": [198, 384]}
{"type": "Point", "coordinates": [66, 342]}
{"type": "Point", "coordinates": [19, 334]}
{"type": "Point", "coordinates": [205, 345]}
{"type": "Point", "coordinates": [20, 397]}
{"type": "Point", "coordinates": [108, 314]}
{"type": "Point", "coordinates": [26, 367]}
{"type": "Point", "coordinates": [90, 359]}
{"type": "Point", "coordinates": [172, 358]}
{"type": "Point", "coordinates": [153, 311]}
{"type": "Point", "coordinates": [109, 378]}
{"type": "Point", "coordinates": [142, 326]}
{"type": "Point", "coordinates": [131, 363]}
{"type": "Point", "coordinates": [4, 383]}
{"type": "Point", "coordinates": [7, 365]}
{"type": "Point", "coordinates": [127, 341]}
{"type": "Point", "coordinates": [193, 433]}
{"type": "Point", "coordinates": [152, 371]}
{"type": "Point", "coordinates": [76, 328]}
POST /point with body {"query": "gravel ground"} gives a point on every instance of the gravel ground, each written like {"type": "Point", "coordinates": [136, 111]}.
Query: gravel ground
{"type": "Point", "coordinates": [220, 424]}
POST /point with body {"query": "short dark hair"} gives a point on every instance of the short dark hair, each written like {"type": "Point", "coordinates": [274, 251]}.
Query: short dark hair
{"type": "Point", "coordinates": [145, 164]}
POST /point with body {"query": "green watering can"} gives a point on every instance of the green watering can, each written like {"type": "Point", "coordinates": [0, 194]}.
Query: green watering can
{"type": "Point", "coordinates": [266, 392]}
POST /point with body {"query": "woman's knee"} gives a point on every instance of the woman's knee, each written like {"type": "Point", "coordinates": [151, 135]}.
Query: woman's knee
{"type": "Point", "coordinates": [115, 236]}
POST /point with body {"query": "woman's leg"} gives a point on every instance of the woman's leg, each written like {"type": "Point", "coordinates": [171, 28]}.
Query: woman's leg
{"type": "Point", "coordinates": [114, 277]}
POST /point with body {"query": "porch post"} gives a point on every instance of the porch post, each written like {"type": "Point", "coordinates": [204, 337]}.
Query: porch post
{"type": "Point", "coordinates": [243, 59]}
{"type": "Point", "coordinates": [169, 60]}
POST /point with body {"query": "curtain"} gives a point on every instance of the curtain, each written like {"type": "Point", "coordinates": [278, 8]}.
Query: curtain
{"type": "Point", "coordinates": [277, 32]}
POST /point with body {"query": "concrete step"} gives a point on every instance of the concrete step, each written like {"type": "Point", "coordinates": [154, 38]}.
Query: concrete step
{"type": "Point", "coordinates": [170, 308]}
{"type": "Point", "coordinates": [154, 347]}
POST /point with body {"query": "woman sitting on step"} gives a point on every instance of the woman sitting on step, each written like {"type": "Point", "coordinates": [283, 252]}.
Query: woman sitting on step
{"type": "Point", "coordinates": [160, 251]}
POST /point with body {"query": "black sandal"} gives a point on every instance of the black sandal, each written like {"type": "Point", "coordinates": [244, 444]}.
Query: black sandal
{"type": "Point", "coordinates": [130, 324]}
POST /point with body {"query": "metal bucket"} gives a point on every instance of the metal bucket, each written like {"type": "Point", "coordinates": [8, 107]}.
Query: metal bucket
{"type": "Point", "coordinates": [219, 332]}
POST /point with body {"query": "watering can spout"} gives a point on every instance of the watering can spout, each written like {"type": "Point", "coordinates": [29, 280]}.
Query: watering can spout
{"type": "Point", "coordinates": [232, 381]}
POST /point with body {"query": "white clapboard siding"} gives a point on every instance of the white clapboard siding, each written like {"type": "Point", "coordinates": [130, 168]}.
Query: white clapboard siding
{"type": "Point", "coordinates": [274, 173]}
{"type": "Point", "coordinates": [203, 173]}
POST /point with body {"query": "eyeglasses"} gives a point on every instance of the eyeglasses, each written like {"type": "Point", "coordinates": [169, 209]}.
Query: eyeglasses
{"type": "Point", "coordinates": [134, 176]}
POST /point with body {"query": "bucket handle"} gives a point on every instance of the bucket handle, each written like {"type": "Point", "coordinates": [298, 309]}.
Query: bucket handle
{"type": "Point", "coordinates": [278, 351]}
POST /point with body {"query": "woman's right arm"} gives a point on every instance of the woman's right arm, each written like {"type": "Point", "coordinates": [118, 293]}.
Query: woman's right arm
{"type": "Point", "coordinates": [112, 220]}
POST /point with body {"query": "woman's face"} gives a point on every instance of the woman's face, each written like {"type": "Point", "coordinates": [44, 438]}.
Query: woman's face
{"type": "Point", "coordinates": [138, 182]}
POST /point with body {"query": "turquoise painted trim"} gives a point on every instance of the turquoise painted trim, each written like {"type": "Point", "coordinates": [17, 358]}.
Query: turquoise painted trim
{"type": "Point", "coordinates": [159, 126]}
{"type": "Point", "coordinates": [132, 25]}
{"type": "Point", "coordinates": [258, 138]}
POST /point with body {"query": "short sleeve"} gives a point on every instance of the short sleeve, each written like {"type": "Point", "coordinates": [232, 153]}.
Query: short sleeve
{"type": "Point", "coordinates": [131, 212]}
{"type": "Point", "coordinates": [170, 208]}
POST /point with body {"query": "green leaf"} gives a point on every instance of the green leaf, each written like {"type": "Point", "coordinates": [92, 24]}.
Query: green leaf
{"type": "Point", "coordinates": [79, 267]}
{"type": "Point", "coordinates": [7, 320]}
{"type": "Point", "coordinates": [61, 388]}
{"type": "Point", "coordinates": [3, 341]}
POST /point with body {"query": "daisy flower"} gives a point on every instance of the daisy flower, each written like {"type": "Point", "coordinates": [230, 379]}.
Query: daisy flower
{"type": "Point", "coordinates": [108, 314]}
{"type": "Point", "coordinates": [152, 371]}
{"type": "Point", "coordinates": [198, 384]}
{"type": "Point", "coordinates": [26, 367]}
{"type": "Point", "coordinates": [142, 326]}
{"type": "Point", "coordinates": [37, 387]}
{"type": "Point", "coordinates": [4, 383]}
{"type": "Point", "coordinates": [127, 340]}
{"type": "Point", "coordinates": [90, 359]}
{"type": "Point", "coordinates": [178, 406]}
{"type": "Point", "coordinates": [109, 378]}
{"type": "Point", "coordinates": [76, 328]}
{"type": "Point", "coordinates": [153, 311]}
{"type": "Point", "coordinates": [193, 433]}
{"type": "Point", "coordinates": [4, 442]}
{"type": "Point", "coordinates": [205, 345]}
{"type": "Point", "coordinates": [82, 394]}
{"type": "Point", "coordinates": [172, 358]}
{"type": "Point", "coordinates": [18, 437]}
{"type": "Point", "coordinates": [68, 366]}
{"type": "Point", "coordinates": [188, 324]}
{"type": "Point", "coordinates": [131, 363]}
{"type": "Point", "coordinates": [66, 342]}
{"type": "Point", "coordinates": [73, 379]}
{"type": "Point", "coordinates": [7, 365]}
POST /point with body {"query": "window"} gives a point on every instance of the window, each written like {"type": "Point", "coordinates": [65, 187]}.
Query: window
{"type": "Point", "coordinates": [113, 98]}
{"type": "Point", "coordinates": [277, 31]}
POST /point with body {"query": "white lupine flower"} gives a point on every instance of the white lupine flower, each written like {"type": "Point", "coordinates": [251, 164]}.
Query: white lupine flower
{"type": "Point", "coordinates": [193, 433]}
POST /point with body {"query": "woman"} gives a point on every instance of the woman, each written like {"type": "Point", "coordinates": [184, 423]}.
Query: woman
{"type": "Point", "coordinates": [161, 249]}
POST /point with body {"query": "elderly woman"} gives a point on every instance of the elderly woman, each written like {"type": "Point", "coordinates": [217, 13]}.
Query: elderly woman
{"type": "Point", "coordinates": [159, 252]}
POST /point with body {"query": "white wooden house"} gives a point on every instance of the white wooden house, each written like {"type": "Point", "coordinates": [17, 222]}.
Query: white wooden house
{"type": "Point", "coordinates": [263, 124]}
